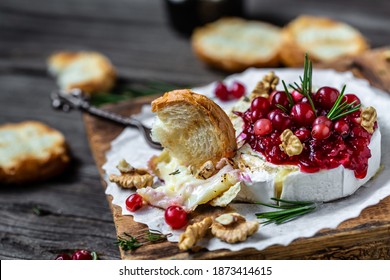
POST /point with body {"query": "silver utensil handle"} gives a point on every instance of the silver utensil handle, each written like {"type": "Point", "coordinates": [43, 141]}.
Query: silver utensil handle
{"type": "Point", "coordinates": [127, 121]}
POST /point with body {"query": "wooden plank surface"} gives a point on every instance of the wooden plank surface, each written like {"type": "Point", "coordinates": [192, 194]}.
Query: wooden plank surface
{"type": "Point", "coordinates": [365, 237]}
{"type": "Point", "coordinates": [137, 37]}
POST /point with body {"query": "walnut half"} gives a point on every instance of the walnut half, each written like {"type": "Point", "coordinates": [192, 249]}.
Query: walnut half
{"type": "Point", "coordinates": [233, 228]}
{"type": "Point", "coordinates": [131, 177]}
{"type": "Point", "coordinates": [265, 86]}
{"type": "Point", "coordinates": [369, 118]}
{"type": "Point", "coordinates": [194, 233]}
{"type": "Point", "coordinates": [291, 144]}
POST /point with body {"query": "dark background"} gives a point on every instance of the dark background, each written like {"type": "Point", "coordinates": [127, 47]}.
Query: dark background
{"type": "Point", "coordinates": [137, 37]}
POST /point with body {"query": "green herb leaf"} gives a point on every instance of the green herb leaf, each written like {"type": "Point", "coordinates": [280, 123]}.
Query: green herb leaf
{"type": "Point", "coordinates": [156, 236]}
{"type": "Point", "coordinates": [289, 96]}
{"type": "Point", "coordinates": [128, 244]}
{"type": "Point", "coordinates": [281, 107]}
{"type": "Point", "coordinates": [149, 88]}
{"type": "Point", "coordinates": [37, 210]}
{"type": "Point", "coordinates": [131, 243]}
{"type": "Point", "coordinates": [306, 82]}
{"type": "Point", "coordinates": [94, 256]}
{"type": "Point", "coordinates": [340, 110]}
{"type": "Point", "coordinates": [290, 210]}
{"type": "Point", "coordinates": [177, 171]}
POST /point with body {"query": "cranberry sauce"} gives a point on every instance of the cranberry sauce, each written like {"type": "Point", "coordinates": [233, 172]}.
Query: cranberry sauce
{"type": "Point", "coordinates": [326, 144]}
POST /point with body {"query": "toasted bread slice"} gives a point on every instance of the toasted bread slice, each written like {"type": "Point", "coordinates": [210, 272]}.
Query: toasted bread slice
{"type": "Point", "coordinates": [234, 44]}
{"type": "Point", "coordinates": [323, 38]}
{"type": "Point", "coordinates": [31, 151]}
{"type": "Point", "coordinates": [88, 71]}
{"type": "Point", "coordinates": [193, 128]}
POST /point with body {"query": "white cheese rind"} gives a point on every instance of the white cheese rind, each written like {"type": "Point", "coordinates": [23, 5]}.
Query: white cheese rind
{"type": "Point", "coordinates": [322, 186]}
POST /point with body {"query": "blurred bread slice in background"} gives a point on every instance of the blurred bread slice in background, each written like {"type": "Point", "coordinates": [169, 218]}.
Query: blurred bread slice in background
{"type": "Point", "coordinates": [234, 44]}
{"type": "Point", "coordinates": [31, 151]}
{"type": "Point", "coordinates": [322, 38]}
{"type": "Point", "coordinates": [89, 71]}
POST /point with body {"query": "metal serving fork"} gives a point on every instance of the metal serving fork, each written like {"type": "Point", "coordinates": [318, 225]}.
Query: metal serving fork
{"type": "Point", "coordinates": [75, 99]}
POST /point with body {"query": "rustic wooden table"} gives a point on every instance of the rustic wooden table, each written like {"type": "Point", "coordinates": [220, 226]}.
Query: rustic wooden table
{"type": "Point", "coordinates": [137, 37]}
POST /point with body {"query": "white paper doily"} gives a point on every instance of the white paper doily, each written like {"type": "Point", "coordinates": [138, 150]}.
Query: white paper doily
{"type": "Point", "coordinates": [131, 146]}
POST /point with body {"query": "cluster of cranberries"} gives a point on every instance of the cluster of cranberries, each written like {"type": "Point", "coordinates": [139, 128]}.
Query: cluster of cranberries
{"type": "Point", "coordinates": [236, 91]}
{"type": "Point", "coordinates": [77, 255]}
{"type": "Point", "coordinates": [174, 215]}
{"type": "Point", "coordinates": [327, 143]}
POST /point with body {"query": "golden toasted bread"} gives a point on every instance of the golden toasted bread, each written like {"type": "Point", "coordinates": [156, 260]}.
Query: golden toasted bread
{"type": "Point", "coordinates": [234, 44]}
{"type": "Point", "coordinates": [89, 71]}
{"type": "Point", "coordinates": [31, 151]}
{"type": "Point", "coordinates": [193, 128]}
{"type": "Point", "coordinates": [322, 38]}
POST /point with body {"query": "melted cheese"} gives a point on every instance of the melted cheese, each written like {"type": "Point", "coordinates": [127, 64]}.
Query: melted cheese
{"type": "Point", "coordinates": [180, 187]}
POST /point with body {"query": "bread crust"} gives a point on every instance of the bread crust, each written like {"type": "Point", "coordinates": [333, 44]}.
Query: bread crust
{"type": "Point", "coordinates": [222, 126]}
{"type": "Point", "coordinates": [32, 166]}
{"type": "Point", "coordinates": [233, 62]}
{"type": "Point", "coordinates": [61, 62]}
{"type": "Point", "coordinates": [292, 53]}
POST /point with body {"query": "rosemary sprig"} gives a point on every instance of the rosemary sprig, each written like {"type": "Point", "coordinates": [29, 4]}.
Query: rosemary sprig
{"type": "Point", "coordinates": [306, 82]}
{"type": "Point", "coordinates": [131, 243]}
{"type": "Point", "coordinates": [290, 210]}
{"type": "Point", "coordinates": [281, 107]}
{"type": "Point", "coordinates": [289, 96]}
{"type": "Point", "coordinates": [339, 110]}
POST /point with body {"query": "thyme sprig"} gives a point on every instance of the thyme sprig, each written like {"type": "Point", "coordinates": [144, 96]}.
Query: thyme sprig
{"type": "Point", "coordinates": [339, 110]}
{"type": "Point", "coordinates": [289, 210]}
{"type": "Point", "coordinates": [306, 83]}
{"type": "Point", "coordinates": [129, 242]}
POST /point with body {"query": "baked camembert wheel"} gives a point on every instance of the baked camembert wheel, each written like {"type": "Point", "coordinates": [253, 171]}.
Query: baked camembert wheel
{"type": "Point", "coordinates": [302, 145]}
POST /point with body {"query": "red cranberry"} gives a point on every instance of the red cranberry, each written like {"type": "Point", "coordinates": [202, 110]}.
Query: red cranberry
{"type": "Point", "coordinates": [280, 120]}
{"type": "Point", "coordinates": [261, 104]}
{"type": "Point", "coordinates": [262, 127]}
{"type": "Point", "coordinates": [82, 255]}
{"type": "Point", "coordinates": [221, 91]}
{"type": "Point", "coordinates": [305, 100]}
{"type": "Point", "coordinates": [303, 134]}
{"type": "Point", "coordinates": [326, 97]}
{"type": "Point", "coordinates": [351, 98]}
{"type": "Point", "coordinates": [320, 131]}
{"type": "Point", "coordinates": [296, 96]}
{"type": "Point", "coordinates": [341, 127]}
{"type": "Point", "coordinates": [256, 114]}
{"type": "Point", "coordinates": [237, 90]}
{"type": "Point", "coordinates": [134, 202]}
{"type": "Point", "coordinates": [302, 114]}
{"type": "Point", "coordinates": [324, 120]}
{"type": "Point", "coordinates": [175, 216]}
{"type": "Point", "coordinates": [280, 98]}
{"type": "Point", "coordinates": [63, 257]}
{"type": "Point", "coordinates": [271, 96]}
{"type": "Point", "coordinates": [356, 120]}
{"type": "Point", "coordinates": [271, 115]}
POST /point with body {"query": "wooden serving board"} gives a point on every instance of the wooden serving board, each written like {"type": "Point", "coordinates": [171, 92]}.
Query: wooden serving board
{"type": "Point", "coordinates": [364, 237]}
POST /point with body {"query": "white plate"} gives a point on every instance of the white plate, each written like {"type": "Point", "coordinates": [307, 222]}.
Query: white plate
{"type": "Point", "coordinates": [131, 146]}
